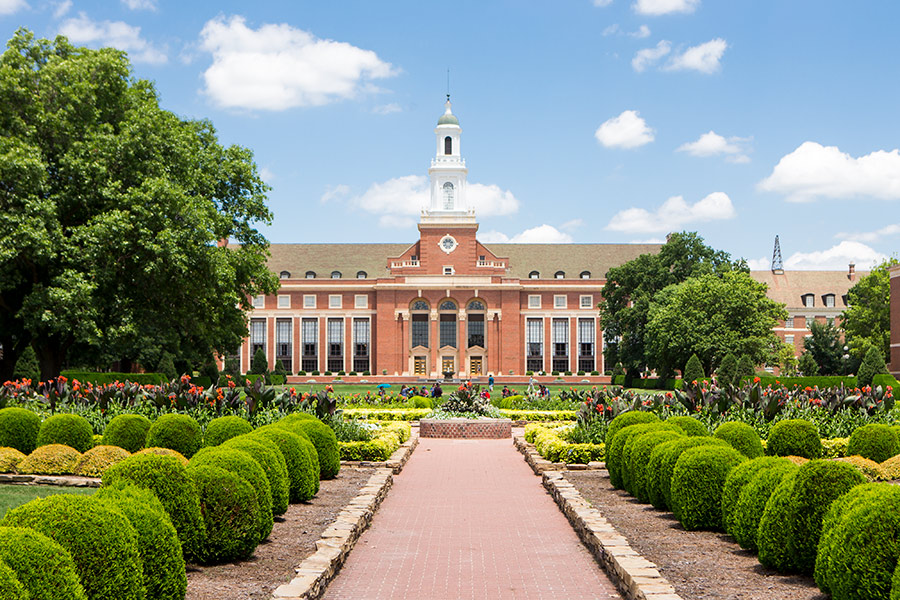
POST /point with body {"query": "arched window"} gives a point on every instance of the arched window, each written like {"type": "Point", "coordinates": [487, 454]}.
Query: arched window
{"type": "Point", "coordinates": [310, 274]}
{"type": "Point", "coordinates": [448, 305]}
{"type": "Point", "coordinates": [475, 324]}
{"type": "Point", "coordinates": [560, 275]}
{"type": "Point", "coordinates": [534, 275]}
{"type": "Point", "coordinates": [361, 275]}
{"type": "Point", "coordinates": [585, 275]}
{"type": "Point", "coordinates": [476, 305]}
{"type": "Point", "coordinates": [447, 324]}
{"type": "Point", "coordinates": [448, 145]}
{"type": "Point", "coordinates": [335, 274]}
{"type": "Point", "coordinates": [284, 275]}
{"type": "Point", "coordinates": [419, 305]}
{"type": "Point", "coordinates": [448, 196]}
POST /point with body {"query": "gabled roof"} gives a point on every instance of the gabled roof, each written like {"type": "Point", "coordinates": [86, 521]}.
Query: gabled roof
{"type": "Point", "coordinates": [297, 259]}
{"type": "Point", "coordinates": [790, 287]}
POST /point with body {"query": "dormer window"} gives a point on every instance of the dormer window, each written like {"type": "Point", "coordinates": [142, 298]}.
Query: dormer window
{"type": "Point", "coordinates": [809, 300]}
{"type": "Point", "coordinates": [559, 275]}
{"type": "Point", "coordinates": [448, 145]}
{"type": "Point", "coordinates": [335, 274]}
{"type": "Point", "coordinates": [310, 274]}
{"type": "Point", "coordinates": [534, 275]}
{"type": "Point", "coordinates": [829, 300]}
{"type": "Point", "coordinates": [284, 275]}
{"type": "Point", "coordinates": [585, 275]}
{"type": "Point", "coordinates": [361, 275]}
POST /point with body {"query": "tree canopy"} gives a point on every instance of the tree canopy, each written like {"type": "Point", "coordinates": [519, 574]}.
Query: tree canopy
{"type": "Point", "coordinates": [110, 213]}
{"type": "Point", "coordinates": [825, 347]}
{"type": "Point", "coordinates": [867, 320]}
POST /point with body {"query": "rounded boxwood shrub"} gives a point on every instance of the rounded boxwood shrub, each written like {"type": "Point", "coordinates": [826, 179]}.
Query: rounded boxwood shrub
{"type": "Point", "coordinates": [690, 425]}
{"type": "Point", "coordinates": [818, 484]}
{"type": "Point", "coordinates": [269, 457]}
{"type": "Point", "coordinates": [67, 429]}
{"type": "Point", "coordinates": [325, 442]}
{"type": "Point", "coordinates": [737, 479]}
{"type": "Point", "coordinates": [632, 417]}
{"type": "Point", "coordinates": [10, 587]}
{"type": "Point", "coordinates": [869, 468]}
{"type": "Point", "coordinates": [662, 463]}
{"type": "Point", "coordinates": [9, 459]}
{"type": "Point", "coordinates": [297, 416]}
{"type": "Point", "coordinates": [773, 533]}
{"type": "Point", "coordinates": [101, 540]}
{"type": "Point", "coordinates": [97, 440]}
{"type": "Point", "coordinates": [99, 458]}
{"type": "Point", "coordinates": [127, 431]}
{"type": "Point", "coordinates": [639, 458]}
{"type": "Point", "coordinates": [224, 428]}
{"type": "Point", "coordinates": [874, 441]}
{"type": "Point", "coordinates": [890, 467]}
{"type": "Point", "coordinates": [303, 475]}
{"type": "Point", "coordinates": [230, 511]}
{"type": "Point", "coordinates": [865, 544]}
{"type": "Point", "coordinates": [697, 483]}
{"type": "Point", "coordinates": [744, 522]}
{"type": "Point", "coordinates": [156, 451]}
{"type": "Point", "coordinates": [615, 450]}
{"type": "Point", "coordinates": [742, 438]}
{"type": "Point", "coordinates": [43, 567]}
{"type": "Point", "coordinates": [794, 437]}
{"type": "Point", "coordinates": [19, 429]}
{"type": "Point", "coordinates": [420, 402]}
{"type": "Point", "coordinates": [242, 465]}
{"type": "Point", "coordinates": [167, 478]}
{"type": "Point", "coordinates": [55, 459]}
{"type": "Point", "coordinates": [177, 432]}
{"type": "Point", "coordinates": [157, 541]}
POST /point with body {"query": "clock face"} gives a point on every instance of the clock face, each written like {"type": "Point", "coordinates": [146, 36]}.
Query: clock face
{"type": "Point", "coordinates": [448, 244]}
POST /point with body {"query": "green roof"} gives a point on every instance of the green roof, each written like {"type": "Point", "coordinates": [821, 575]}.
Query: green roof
{"type": "Point", "coordinates": [448, 119]}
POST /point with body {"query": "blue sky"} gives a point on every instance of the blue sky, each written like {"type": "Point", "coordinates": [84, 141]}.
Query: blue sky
{"type": "Point", "coordinates": [583, 120]}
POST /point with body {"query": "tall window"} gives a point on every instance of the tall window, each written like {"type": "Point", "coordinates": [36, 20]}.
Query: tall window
{"type": "Point", "coordinates": [448, 145]}
{"type": "Point", "coordinates": [789, 323]}
{"type": "Point", "coordinates": [534, 344]}
{"type": "Point", "coordinates": [309, 332]}
{"type": "Point", "coordinates": [476, 329]}
{"type": "Point", "coordinates": [829, 300]}
{"type": "Point", "coordinates": [419, 324]}
{"type": "Point", "coordinates": [586, 345]}
{"type": "Point", "coordinates": [335, 335]}
{"type": "Point", "coordinates": [360, 345]}
{"type": "Point", "coordinates": [448, 330]}
{"type": "Point", "coordinates": [283, 343]}
{"type": "Point", "coordinates": [448, 196]}
{"type": "Point", "coordinates": [257, 336]}
{"type": "Point", "coordinates": [560, 333]}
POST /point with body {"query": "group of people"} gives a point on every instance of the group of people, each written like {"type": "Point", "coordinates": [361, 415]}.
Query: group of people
{"type": "Point", "coordinates": [436, 391]}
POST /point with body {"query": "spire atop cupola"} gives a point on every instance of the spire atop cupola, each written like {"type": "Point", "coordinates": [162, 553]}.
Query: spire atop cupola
{"type": "Point", "coordinates": [448, 118]}
{"type": "Point", "coordinates": [448, 173]}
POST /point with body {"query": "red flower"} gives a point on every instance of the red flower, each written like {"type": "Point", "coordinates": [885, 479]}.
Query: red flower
{"type": "Point", "coordinates": [756, 380]}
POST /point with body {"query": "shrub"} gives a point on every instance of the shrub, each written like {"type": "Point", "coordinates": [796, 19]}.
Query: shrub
{"type": "Point", "coordinates": [224, 428]}
{"type": "Point", "coordinates": [97, 440]}
{"type": "Point", "coordinates": [872, 364]}
{"type": "Point", "coordinates": [10, 588]}
{"type": "Point", "coordinates": [296, 417]}
{"type": "Point", "coordinates": [127, 431]}
{"type": "Point", "coordinates": [742, 438]}
{"type": "Point", "coordinates": [43, 567]}
{"type": "Point", "coordinates": [727, 373]}
{"type": "Point", "coordinates": [376, 449]}
{"type": "Point", "coordinates": [807, 364]}
{"type": "Point", "coordinates": [625, 419]}
{"type": "Point", "coordinates": [156, 451]}
{"type": "Point", "coordinates": [890, 467]}
{"type": "Point", "coordinates": [794, 437]}
{"type": "Point", "coordinates": [641, 448]}
{"type": "Point", "coordinates": [662, 462]}
{"type": "Point", "coordinates": [269, 457]}
{"type": "Point", "coordinates": [70, 430]}
{"type": "Point", "coordinates": [157, 541]}
{"type": "Point", "coordinates": [870, 469]}
{"type": "Point", "coordinates": [9, 459]}
{"type": "Point", "coordinates": [27, 366]}
{"type": "Point", "coordinates": [323, 438]}
{"type": "Point", "coordinates": [106, 378]}
{"type": "Point", "coordinates": [420, 402]}
{"type": "Point", "coordinates": [773, 533]}
{"type": "Point", "coordinates": [167, 478]}
{"type": "Point", "coordinates": [737, 479]}
{"type": "Point", "coordinates": [166, 366]}
{"type": "Point", "coordinates": [303, 475]}
{"type": "Point", "coordinates": [99, 458]}
{"type": "Point", "coordinates": [690, 425]}
{"type": "Point", "coordinates": [835, 447]}
{"type": "Point", "coordinates": [744, 521]}
{"type": "Point", "coordinates": [230, 512]}
{"type": "Point", "coordinates": [242, 465]}
{"type": "Point", "coordinates": [697, 483]}
{"type": "Point", "coordinates": [101, 540]}
{"type": "Point", "coordinates": [874, 441]}
{"type": "Point", "coordinates": [177, 432]}
{"type": "Point", "coordinates": [746, 367]}
{"type": "Point", "coordinates": [55, 459]}
{"type": "Point", "coordinates": [259, 365]}
{"type": "Point", "coordinates": [864, 546]}
{"type": "Point", "coordinates": [19, 429]}
{"type": "Point", "coordinates": [615, 450]}
{"type": "Point", "coordinates": [693, 370]}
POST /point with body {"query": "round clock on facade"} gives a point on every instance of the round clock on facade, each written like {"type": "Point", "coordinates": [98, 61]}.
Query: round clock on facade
{"type": "Point", "coordinates": [448, 244]}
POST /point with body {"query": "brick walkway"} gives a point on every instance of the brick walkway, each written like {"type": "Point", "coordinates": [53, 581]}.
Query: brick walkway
{"type": "Point", "coordinates": [468, 519]}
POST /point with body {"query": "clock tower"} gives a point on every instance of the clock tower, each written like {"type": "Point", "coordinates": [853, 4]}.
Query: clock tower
{"type": "Point", "coordinates": [448, 175]}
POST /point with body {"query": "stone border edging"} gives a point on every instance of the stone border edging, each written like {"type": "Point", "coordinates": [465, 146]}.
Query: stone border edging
{"type": "Point", "coordinates": [539, 464]}
{"type": "Point", "coordinates": [635, 576]}
{"type": "Point", "coordinates": [397, 460]}
{"type": "Point", "coordinates": [60, 480]}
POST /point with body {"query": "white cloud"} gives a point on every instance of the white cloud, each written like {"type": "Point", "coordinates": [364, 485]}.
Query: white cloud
{"type": "Point", "coordinates": [267, 175]}
{"type": "Point", "coordinates": [713, 144]}
{"type": "Point", "coordinates": [115, 34]}
{"type": "Point", "coordinates": [673, 214]}
{"type": "Point", "coordinates": [871, 236]}
{"type": "Point", "coordinates": [653, 240]}
{"type": "Point", "coordinates": [542, 234]}
{"type": "Point", "coordinates": [602, 2]}
{"type": "Point", "coordinates": [277, 67]}
{"type": "Point", "coordinates": [758, 264]}
{"type": "Point", "coordinates": [573, 224]}
{"type": "Point", "coordinates": [815, 171]}
{"type": "Point", "coordinates": [704, 58]}
{"type": "Point", "coordinates": [836, 257]}
{"type": "Point", "coordinates": [610, 29]}
{"type": "Point", "coordinates": [335, 192]}
{"type": "Point", "coordinates": [628, 130]}
{"type": "Point", "coordinates": [9, 7]}
{"type": "Point", "coordinates": [665, 7]}
{"type": "Point", "coordinates": [650, 56]}
{"type": "Point", "coordinates": [140, 4]}
{"type": "Point", "coordinates": [642, 32]}
{"type": "Point", "coordinates": [62, 8]}
{"type": "Point", "coordinates": [386, 109]}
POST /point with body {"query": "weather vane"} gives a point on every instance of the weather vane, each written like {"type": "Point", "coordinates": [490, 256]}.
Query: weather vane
{"type": "Point", "coordinates": [448, 84]}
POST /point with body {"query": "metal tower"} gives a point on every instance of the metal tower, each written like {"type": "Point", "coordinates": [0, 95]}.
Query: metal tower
{"type": "Point", "coordinates": [777, 262]}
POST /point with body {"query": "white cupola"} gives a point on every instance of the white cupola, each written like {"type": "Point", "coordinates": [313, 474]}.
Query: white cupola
{"type": "Point", "coordinates": [448, 173]}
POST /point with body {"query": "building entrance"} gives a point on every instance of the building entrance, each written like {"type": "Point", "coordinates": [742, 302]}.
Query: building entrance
{"type": "Point", "coordinates": [475, 365]}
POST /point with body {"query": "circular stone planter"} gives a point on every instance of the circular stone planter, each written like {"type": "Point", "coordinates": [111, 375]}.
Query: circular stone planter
{"type": "Point", "coordinates": [465, 428]}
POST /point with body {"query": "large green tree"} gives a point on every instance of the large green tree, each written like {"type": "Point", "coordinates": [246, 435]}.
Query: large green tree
{"type": "Point", "coordinates": [110, 213]}
{"type": "Point", "coordinates": [825, 346]}
{"type": "Point", "coordinates": [630, 289]}
{"type": "Point", "coordinates": [867, 320]}
{"type": "Point", "coordinates": [711, 316]}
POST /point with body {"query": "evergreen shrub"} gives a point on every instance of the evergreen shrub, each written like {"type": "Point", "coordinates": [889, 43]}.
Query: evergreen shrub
{"type": "Point", "coordinates": [70, 430]}
{"type": "Point", "coordinates": [420, 402]}
{"type": "Point", "coordinates": [230, 512]}
{"type": "Point", "coordinates": [269, 457]}
{"type": "Point", "coordinates": [107, 378]}
{"type": "Point", "coordinates": [693, 370]}
{"type": "Point", "coordinates": [259, 365]}
{"type": "Point", "coordinates": [632, 417]}
{"type": "Point", "coordinates": [167, 478]}
{"type": "Point", "coordinates": [690, 425]}
{"type": "Point", "coordinates": [101, 541]}
{"type": "Point", "coordinates": [874, 441]}
{"type": "Point", "coordinates": [156, 451]}
{"type": "Point", "coordinates": [742, 437]}
{"type": "Point", "coordinates": [19, 429]}
{"type": "Point", "coordinates": [872, 364]}
{"type": "Point", "coordinates": [870, 469]}
{"type": "Point", "coordinates": [54, 459]}
{"type": "Point", "coordinates": [743, 523]}
{"type": "Point", "coordinates": [27, 366]}
{"type": "Point", "coordinates": [303, 474]}
{"type": "Point", "coordinates": [99, 458]}
{"type": "Point", "coordinates": [639, 459]}
{"type": "Point", "coordinates": [127, 431]}
{"type": "Point", "coordinates": [662, 463]}
{"type": "Point", "coordinates": [615, 449]}
{"type": "Point", "coordinates": [794, 437]}
{"type": "Point", "coordinates": [325, 441]}
{"type": "Point", "coordinates": [773, 533]}
{"type": "Point", "coordinates": [739, 477]}
{"type": "Point", "coordinates": [9, 459]}
{"type": "Point", "coordinates": [223, 429]}
{"type": "Point", "coordinates": [745, 367]}
{"type": "Point", "coordinates": [10, 588]}
{"type": "Point", "coordinates": [890, 467]}
{"type": "Point", "coordinates": [697, 482]}
{"type": "Point", "coordinates": [727, 373]}
{"type": "Point", "coordinates": [177, 432]}
{"type": "Point", "coordinates": [43, 567]}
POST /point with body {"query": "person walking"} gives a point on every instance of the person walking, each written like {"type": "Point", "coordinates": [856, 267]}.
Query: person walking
{"type": "Point", "coordinates": [491, 382]}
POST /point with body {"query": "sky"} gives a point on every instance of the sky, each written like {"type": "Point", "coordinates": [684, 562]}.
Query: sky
{"type": "Point", "coordinates": [585, 121]}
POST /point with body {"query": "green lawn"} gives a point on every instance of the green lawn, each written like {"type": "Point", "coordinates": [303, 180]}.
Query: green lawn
{"type": "Point", "coordinates": [12, 496]}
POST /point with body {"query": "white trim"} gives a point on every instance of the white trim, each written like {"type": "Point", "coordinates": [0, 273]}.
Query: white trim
{"type": "Point", "coordinates": [283, 299]}
{"type": "Point", "coordinates": [364, 298]}
{"type": "Point", "coordinates": [331, 301]}
{"type": "Point", "coordinates": [311, 305]}
{"type": "Point", "coordinates": [534, 305]}
{"type": "Point", "coordinates": [259, 301]}
{"type": "Point", "coordinates": [560, 305]}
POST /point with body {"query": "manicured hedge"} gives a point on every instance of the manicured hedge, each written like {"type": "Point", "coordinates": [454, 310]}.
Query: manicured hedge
{"type": "Point", "coordinates": [739, 477]}
{"type": "Point", "coordinates": [55, 459]}
{"type": "Point", "coordinates": [156, 451]}
{"type": "Point", "coordinates": [773, 533]}
{"type": "Point", "coordinates": [102, 542]}
{"type": "Point", "coordinates": [743, 524]}
{"type": "Point", "coordinates": [820, 381]}
{"type": "Point", "coordinates": [10, 587]}
{"type": "Point", "coordinates": [9, 459]}
{"type": "Point", "coordinates": [323, 438]}
{"type": "Point", "coordinates": [99, 458]}
{"type": "Point", "coordinates": [157, 541]}
{"type": "Point", "coordinates": [662, 463]}
{"type": "Point", "coordinates": [269, 457]}
{"type": "Point", "coordinates": [538, 415]}
{"type": "Point", "coordinates": [639, 459]}
{"type": "Point", "coordinates": [376, 449]}
{"type": "Point", "coordinates": [615, 450]}
{"type": "Point", "coordinates": [303, 474]}
{"type": "Point", "coordinates": [626, 419]}
{"type": "Point", "coordinates": [168, 479]}
{"type": "Point", "coordinates": [19, 429]}
{"type": "Point", "coordinates": [70, 430]}
{"type": "Point", "coordinates": [794, 437]}
{"type": "Point", "coordinates": [885, 380]}
{"type": "Point", "coordinates": [177, 432]}
{"type": "Point", "coordinates": [874, 441]}
{"type": "Point", "coordinates": [43, 567]}
{"type": "Point", "coordinates": [104, 378]}
{"type": "Point", "coordinates": [690, 425]}
{"type": "Point", "coordinates": [127, 431]}
{"type": "Point", "coordinates": [697, 483]}
{"type": "Point", "coordinates": [420, 402]}
{"type": "Point", "coordinates": [230, 511]}
{"type": "Point", "coordinates": [742, 437]}
{"type": "Point", "coordinates": [223, 429]}
{"type": "Point", "coordinates": [387, 414]}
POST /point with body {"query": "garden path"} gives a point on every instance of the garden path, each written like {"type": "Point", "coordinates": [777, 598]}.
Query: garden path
{"type": "Point", "coordinates": [468, 519]}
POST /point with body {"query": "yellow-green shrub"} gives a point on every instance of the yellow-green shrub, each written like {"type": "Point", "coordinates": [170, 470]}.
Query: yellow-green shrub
{"type": "Point", "coordinates": [9, 459]}
{"type": "Point", "coordinates": [891, 468]}
{"type": "Point", "coordinates": [99, 458]}
{"type": "Point", "coordinates": [52, 459]}
{"type": "Point", "coordinates": [871, 469]}
{"type": "Point", "coordinates": [155, 450]}
{"type": "Point", "coordinates": [402, 428]}
{"type": "Point", "coordinates": [834, 448]}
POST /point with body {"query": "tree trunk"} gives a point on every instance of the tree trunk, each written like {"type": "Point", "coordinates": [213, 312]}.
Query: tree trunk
{"type": "Point", "coordinates": [12, 350]}
{"type": "Point", "coordinates": [51, 355]}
